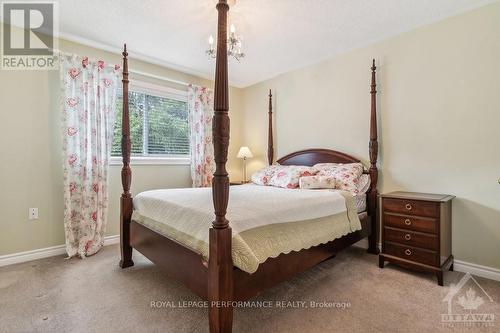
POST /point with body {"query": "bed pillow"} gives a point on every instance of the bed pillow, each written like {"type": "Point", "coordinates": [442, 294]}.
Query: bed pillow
{"type": "Point", "coordinates": [320, 166]}
{"type": "Point", "coordinates": [316, 182]}
{"type": "Point", "coordinates": [287, 176]}
{"type": "Point", "coordinates": [346, 175]}
{"type": "Point", "coordinates": [263, 176]}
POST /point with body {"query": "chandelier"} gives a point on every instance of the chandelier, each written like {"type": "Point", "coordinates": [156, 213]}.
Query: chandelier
{"type": "Point", "coordinates": [233, 45]}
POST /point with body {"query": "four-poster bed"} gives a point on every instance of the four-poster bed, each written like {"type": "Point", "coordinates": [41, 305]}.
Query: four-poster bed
{"type": "Point", "coordinates": [217, 279]}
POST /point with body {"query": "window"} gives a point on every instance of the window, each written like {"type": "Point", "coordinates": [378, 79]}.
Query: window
{"type": "Point", "coordinates": [159, 127]}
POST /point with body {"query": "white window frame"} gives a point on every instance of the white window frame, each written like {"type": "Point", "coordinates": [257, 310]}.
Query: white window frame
{"type": "Point", "coordinates": [161, 91]}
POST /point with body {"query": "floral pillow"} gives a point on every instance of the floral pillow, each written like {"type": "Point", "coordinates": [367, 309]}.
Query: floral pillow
{"type": "Point", "coordinates": [263, 176]}
{"type": "Point", "coordinates": [320, 166]}
{"type": "Point", "coordinates": [314, 182]}
{"type": "Point", "coordinates": [288, 176]}
{"type": "Point", "coordinates": [346, 175]}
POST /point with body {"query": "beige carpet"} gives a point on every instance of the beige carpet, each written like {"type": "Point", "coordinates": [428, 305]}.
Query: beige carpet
{"type": "Point", "coordinates": [95, 295]}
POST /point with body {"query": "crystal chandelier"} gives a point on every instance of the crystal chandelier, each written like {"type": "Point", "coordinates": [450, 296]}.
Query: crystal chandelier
{"type": "Point", "coordinates": [233, 45]}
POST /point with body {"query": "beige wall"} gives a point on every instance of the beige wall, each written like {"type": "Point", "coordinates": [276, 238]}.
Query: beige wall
{"type": "Point", "coordinates": [439, 114]}
{"type": "Point", "coordinates": [30, 150]}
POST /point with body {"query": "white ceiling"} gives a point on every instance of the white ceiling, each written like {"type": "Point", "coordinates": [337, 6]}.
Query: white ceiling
{"type": "Point", "coordinates": [279, 35]}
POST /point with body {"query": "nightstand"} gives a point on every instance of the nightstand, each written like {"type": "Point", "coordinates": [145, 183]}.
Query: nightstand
{"type": "Point", "coordinates": [416, 231]}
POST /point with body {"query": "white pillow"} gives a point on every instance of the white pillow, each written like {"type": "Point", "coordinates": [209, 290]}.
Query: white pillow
{"type": "Point", "coordinates": [314, 182]}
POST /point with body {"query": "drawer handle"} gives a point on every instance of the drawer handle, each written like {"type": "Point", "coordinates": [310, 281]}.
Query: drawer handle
{"type": "Point", "coordinates": [408, 237]}
{"type": "Point", "coordinates": [408, 207]}
{"type": "Point", "coordinates": [407, 222]}
{"type": "Point", "coordinates": [408, 252]}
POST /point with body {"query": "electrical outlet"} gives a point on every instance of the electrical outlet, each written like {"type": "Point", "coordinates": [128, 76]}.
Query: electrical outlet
{"type": "Point", "coordinates": [33, 214]}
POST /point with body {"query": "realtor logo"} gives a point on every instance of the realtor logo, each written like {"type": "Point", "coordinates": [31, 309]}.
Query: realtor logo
{"type": "Point", "coordinates": [29, 36]}
{"type": "Point", "coordinates": [465, 301]}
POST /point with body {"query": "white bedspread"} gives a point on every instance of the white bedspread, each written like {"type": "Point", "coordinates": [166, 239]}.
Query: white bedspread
{"type": "Point", "coordinates": [251, 209]}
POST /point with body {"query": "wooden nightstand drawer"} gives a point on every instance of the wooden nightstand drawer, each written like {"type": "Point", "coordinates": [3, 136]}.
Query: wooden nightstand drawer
{"type": "Point", "coordinates": [411, 238]}
{"type": "Point", "coordinates": [411, 253]}
{"type": "Point", "coordinates": [410, 223]}
{"type": "Point", "coordinates": [411, 207]}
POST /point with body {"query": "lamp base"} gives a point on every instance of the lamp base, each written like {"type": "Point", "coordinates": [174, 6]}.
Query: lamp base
{"type": "Point", "coordinates": [244, 169]}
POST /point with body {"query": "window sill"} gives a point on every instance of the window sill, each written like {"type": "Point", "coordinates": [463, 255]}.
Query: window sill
{"type": "Point", "coordinates": [135, 160]}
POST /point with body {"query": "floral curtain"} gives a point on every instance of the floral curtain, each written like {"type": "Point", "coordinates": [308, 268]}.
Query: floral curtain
{"type": "Point", "coordinates": [201, 112]}
{"type": "Point", "coordinates": [88, 111]}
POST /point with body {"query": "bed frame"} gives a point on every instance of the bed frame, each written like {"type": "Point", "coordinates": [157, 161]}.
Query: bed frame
{"type": "Point", "coordinates": [217, 280]}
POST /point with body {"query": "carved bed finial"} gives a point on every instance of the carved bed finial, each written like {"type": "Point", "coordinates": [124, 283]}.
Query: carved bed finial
{"type": "Point", "coordinates": [373, 122]}
{"type": "Point", "coordinates": [126, 206]}
{"type": "Point", "coordinates": [126, 142]}
{"type": "Point", "coordinates": [220, 263]}
{"type": "Point", "coordinates": [373, 171]}
{"type": "Point", "coordinates": [270, 141]}
{"type": "Point", "coordinates": [220, 183]}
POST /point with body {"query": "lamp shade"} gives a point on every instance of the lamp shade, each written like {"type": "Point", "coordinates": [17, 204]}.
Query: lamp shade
{"type": "Point", "coordinates": [244, 153]}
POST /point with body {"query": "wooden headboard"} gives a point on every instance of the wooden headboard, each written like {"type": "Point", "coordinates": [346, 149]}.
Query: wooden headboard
{"type": "Point", "coordinates": [310, 157]}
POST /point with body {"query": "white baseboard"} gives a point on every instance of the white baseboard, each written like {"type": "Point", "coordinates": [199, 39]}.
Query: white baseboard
{"type": "Point", "coordinates": [110, 240]}
{"type": "Point", "coordinates": [458, 265]}
{"type": "Point", "coordinates": [16, 258]}
{"type": "Point", "coordinates": [478, 270]}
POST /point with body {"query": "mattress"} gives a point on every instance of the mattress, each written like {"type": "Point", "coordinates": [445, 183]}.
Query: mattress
{"type": "Point", "coordinates": [360, 202]}
{"type": "Point", "coordinates": [265, 221]}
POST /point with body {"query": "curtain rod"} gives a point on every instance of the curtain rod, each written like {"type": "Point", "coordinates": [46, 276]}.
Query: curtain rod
{"type": "Point", "coordinates": [133, 71]}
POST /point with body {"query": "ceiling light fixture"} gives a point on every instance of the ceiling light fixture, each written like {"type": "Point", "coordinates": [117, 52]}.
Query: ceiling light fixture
{"type": "Point", "coordinates": [234, 45]}
{"type": "Point", "coordinates": [234, 48]}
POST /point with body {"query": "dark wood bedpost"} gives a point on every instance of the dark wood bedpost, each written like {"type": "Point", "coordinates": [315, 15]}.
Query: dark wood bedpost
{"type": "Point", "coordinates": [126, 199]}
{"type": "Point", "coordinates": [270, 145]}
{"type": "Point", "coordinates": [373, 193]}
{"type": "Point", "coordinates": [220, 263]}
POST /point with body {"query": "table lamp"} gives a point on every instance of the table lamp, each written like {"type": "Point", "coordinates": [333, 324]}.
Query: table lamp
{"type": "Point", "coordinates": [244, 153]}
